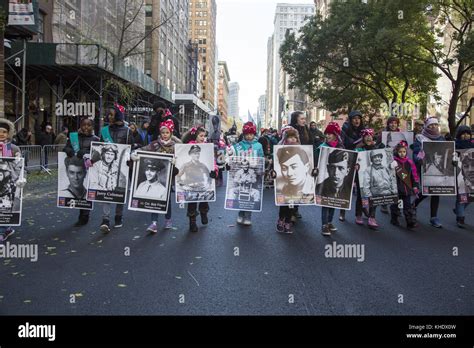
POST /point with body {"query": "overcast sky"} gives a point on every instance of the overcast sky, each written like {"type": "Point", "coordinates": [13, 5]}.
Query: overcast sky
{"type": "Point", "coordinates": [243, 27]}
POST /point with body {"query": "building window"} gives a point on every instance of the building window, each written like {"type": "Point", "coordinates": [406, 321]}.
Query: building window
{"type": "Point", "coordinates": [40, 36]}
{"type": "Point", "coordinates": [148, 10]}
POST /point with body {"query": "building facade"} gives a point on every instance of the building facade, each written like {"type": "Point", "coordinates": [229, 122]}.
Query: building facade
{"type": "Point", "coordinates": [288, 17]}
{"type": "Point", "coordinates": [233, 109]}
{"type": "Point", "coordinates": [167, 50]}
{"type": "Point", "coordinates": [202, 29]}
{"type": "Point", "coordinates": [223, 93]}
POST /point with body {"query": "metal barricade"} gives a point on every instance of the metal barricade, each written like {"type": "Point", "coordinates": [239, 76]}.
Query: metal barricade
{"type": "Point", "coordinates": [33, 155]}
{"type": "Point", "coordinates": [50, 156]}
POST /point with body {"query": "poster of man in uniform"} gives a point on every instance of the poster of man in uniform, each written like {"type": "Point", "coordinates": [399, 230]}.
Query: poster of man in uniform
{"type": "Point", "coordinates": [151, 182]}
{"type": "Point", "coordinates": [465, 175]}
{"type": "Point", "coordinates": [11, 170]}
{"type": "Point", "coordinates": [293, 165]}
{"type": "Point", "coordinates": [72, 174]}
{"type": "Point", "coordinates": [437, 170]}
{"type": "Point", "coordinates": [244, 189]}
{"type": "Point", "coordinates": [335, 178]}
{"type": "Point", "coordinates": [392, 139]}
{"type": "Point", "coordinates": [108, 177]}
{"type": "Point", "coordinates": [193, 183]}
{"type": "Point", "coordinates": [377, 177]}
{"type": "Point", "coordinates": [216, 137]}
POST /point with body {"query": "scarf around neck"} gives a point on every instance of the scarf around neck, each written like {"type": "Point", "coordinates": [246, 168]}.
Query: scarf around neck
{"type": "Point", "coordinates": [431, 133]}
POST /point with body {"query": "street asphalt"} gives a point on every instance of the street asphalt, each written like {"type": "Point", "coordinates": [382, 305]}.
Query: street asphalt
{"type": "Point", "coordinates": [227, 269]}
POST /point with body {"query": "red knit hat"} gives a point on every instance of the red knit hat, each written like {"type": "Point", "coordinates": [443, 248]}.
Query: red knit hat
{"type": "Point", "coordinates": [333, 128]}
{"type": "Point", "coordinates": [249, 128]}
{"type": "Point", "coordinates": [367, 131]}
{"type": "Point", "coordinates": [167, 124]}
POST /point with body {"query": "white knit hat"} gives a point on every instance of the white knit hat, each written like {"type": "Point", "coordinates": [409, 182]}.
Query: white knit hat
{"type": "Point", "coordinates": [430, 121]}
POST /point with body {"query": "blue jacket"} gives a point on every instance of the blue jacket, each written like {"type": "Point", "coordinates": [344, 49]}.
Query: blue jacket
{"type": "Point", "coordinates": [245, 147]}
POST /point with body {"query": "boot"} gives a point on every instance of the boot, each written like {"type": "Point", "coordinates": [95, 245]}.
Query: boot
{"type": "Point", "coordinates": [192, 224]}
{"type": "Point", "coordinates": [204, 219]}
{"type": "Point", "coordinates": [460, 222]}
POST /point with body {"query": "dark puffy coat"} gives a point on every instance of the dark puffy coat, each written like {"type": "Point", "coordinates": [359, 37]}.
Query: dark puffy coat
{"type": "Point", "coordinates": [120, 134]}
{"type": "Point", "coordinates": [84, 145]}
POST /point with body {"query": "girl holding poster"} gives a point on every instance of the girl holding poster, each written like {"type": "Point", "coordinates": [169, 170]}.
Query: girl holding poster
{"type": "Point", "coordinates": [197, 135]}
{"type": "Point", "coordinates": [164, 144]}
{"type": "Point", "coordinates": [7, 131]}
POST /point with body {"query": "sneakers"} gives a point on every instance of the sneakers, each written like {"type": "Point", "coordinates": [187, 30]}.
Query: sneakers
{"type": "Point", "coordinates": [460, 222]}
{"type": "Point", "coordinates": [384, 209]}
{"type": "Point", "coordinates": [412, 225]}
{"type": "Point", "coordinates": [247, 222]}
{"type": "Point", "coordinates": [332, 228]}
{"type": "Point", "coordinates": [105, 226]}
{"type": "Point", "coordinates": [204, 219]}
{"type": "Point", "coordinates": [359, 220]}
{"type": "Point", "coordinates": [325, 231]}
{"type": "Point", "coordinates": [118, 222]}
{"type": "Point", "coordinates": [373, 223]}
{"type": "Point", "coordinates": [153, 228]}
{"type": "Point", "coordinates": [240, 220]}
{"type": "Point", "coordinates": [9, 232]}
{"type": "Point", "coordinates": [435, 222]}
{"type": "Point", "coordinates": [342, 216]}
{"type": "Point", "coordinates": [280, 226]}
{"type": "Point", "coordinates": [287, 228]}
{"type": "Point", "coordinates": [168, 224]}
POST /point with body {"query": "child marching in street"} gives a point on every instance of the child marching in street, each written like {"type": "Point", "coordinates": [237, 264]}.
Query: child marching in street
{"type": "Point", "coordinates": [367, 143]}
{"type": "Point", "coordinates": [7, 131]}
{"type": "Point", "coordinates": [197, 135]}
{"type": "Point", "coordinates": [164, 144]}
{"type": "Point", "coordinates": [463, 141]}
{"type": "Point", "coordinates": [248, 147]}
{"type": "Point", "coordinates": [78, 145]}
{"type": "Point", "coordinates": [333, 139]}
{"type": "Point", "coordinates": [408, 184]}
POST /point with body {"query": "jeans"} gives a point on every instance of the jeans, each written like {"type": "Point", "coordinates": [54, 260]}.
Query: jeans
{"type": "Point", "coordinates": [107, 207]}
{"type": "Point", "coordinates": [154, 216]}
{"type": "Point", "coordinates": [459, 210]}
{"type": "Point", "coordinates": [327, 214]}
{"type": "Point", "coordinates": [434, 204]}
{"type": "Point", "coordinates": [246, 215]}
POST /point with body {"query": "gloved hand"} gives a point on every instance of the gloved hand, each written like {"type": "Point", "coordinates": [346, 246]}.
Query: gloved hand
{"type": "Point", "coordinates": [315, 172]}
{"type": "Point", "coordinates": [88, 163]}
{"type": "Point", "coordinates": [357, 167]}
{"type": "Point", "coordinates": [175, 171]}
{"type": "Point", "coordinates": [213, 174]}
{"type": "Point", "coordinates": [273, 174]}
{"type": "Point", "coordinates": [134, 156]}
{"type": "Point", "coordinates": [455, 159]}
{"type": "Point", "coordinates": [421, 155]}
{"type": "Point", "coordinates": [227, 167]}
{"type": "Point", "coordinates": [394, 164]}
{"type": "Point", "coordinates": [21, 183]}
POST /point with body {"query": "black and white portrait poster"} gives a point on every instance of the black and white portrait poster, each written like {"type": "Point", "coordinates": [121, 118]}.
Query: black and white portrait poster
{"type": "Point", "coordinates": [214, 128]}
{"type": "Point", "coordinates": [11, 196]}
{"type": "Point", "coordinates": [193, 183]}
{"type": "Point", "coordinates": [293, 165]}
{"type": "Point", "coordinates": [335, 177]}
{"type": "Point", "coordinates": [108, 177]}
{"type": "Point", "coordinates": [377, 177]}
{"type": "Point", "coordinates": [391, 139]}
{"type": "Point", "coordinates": [465, 175]}
{"type": "Point", "coordinates": [437, 171]}
{"type": "Point", "coordinates": [72, 177]}
{"type": "Point", "coordinates": [244, 189]}
{"type": "Point", "coordinates": [151, 182]}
